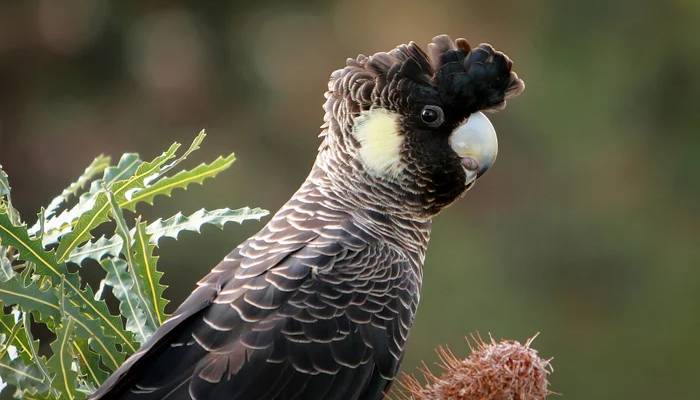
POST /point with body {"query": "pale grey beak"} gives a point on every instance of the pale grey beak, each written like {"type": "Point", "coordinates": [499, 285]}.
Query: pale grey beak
{"type": "Point", "coordinates": [476, 143]}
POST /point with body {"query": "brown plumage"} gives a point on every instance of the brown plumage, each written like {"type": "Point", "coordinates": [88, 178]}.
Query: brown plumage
{"type": "Point", "coordinates": [318, 304]}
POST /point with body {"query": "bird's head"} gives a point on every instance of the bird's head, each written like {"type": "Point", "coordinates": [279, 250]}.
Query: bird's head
{"type": "Point", "coordinates": [406, 126]}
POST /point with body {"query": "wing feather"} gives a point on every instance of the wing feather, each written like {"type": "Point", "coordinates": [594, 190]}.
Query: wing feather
{"type": "Point", "coordinates": [312, 313]}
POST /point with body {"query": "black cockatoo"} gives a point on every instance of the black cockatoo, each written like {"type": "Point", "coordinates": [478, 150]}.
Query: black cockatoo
{"type": "Point", "coordinates": [319, 303]}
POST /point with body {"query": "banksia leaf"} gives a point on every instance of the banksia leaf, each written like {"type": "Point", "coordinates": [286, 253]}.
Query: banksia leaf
{"type": "Point", "coordinates": [38, 362]}
{"type": "Point", "coordinates": [30, 249]}
{"type": "Point", "coordinates": [121, 181]}
{"type": "Point", "coordinates": [96, 250]}
{"type": "Point", "coordinates": [97, 166]}
{"type": "Point", "coordinates": [135, 292]}
{"type": "Point", "coordinates": [148, 276]}
{"type": "Point", "coordinates": [130, 305]}
{"type": "Point", "coordinates": [127, 166]}
{"type": "Point", "coordinates": [92, 317]}
{"type": "Point", "coordinates": [181, 180]}
{"type": "Point", "coordinates": [193, 147]}
{"type": "Point", "coordinates": [14, 339]}
{"type": "Point", "coordinates": [61, 224]}
{"type": "Point", "coordinates": [167, 228]}
{"type": "Point", "coordinates": [88, 221]}
{"type": "Point", "coordinates": [4, 183]}
{"type": "Point", "coordinates": [22, 375]}
{"type": "Point", "coordinates": [111, 348]}
{"type": "Point", "coordinates": [90, 341]}
{"type": "Point", "coordinates": [5, 198]}
{"type": "Point", "coordinates": [44, 304]}
{"type": "Point", "coordinates": [61, 362]}
{"type": "Point", "coordinates": [17, 363]}
{"type": "Point", "coordinates": [6, 270]}
{"type": "Point", "coordinates": [172, 226]}
{"type": "Point", "coordinates": [100, 210]}
{"type": "Point", "coordinates": [91, 372]}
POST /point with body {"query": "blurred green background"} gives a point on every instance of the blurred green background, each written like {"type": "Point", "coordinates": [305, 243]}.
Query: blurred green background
{"type": "Point", "coordinates": [586, 230]}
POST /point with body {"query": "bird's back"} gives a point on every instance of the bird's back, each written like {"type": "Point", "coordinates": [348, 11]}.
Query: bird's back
{"type": "Point", "coordinates": [317, 305]}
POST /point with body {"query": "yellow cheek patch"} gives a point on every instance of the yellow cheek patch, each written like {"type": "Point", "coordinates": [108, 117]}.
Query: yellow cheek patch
{"type": "Point", "coordinates": [380, 141]}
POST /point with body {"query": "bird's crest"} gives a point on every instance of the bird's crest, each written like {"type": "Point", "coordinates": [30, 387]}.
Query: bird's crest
{"type": "Point", "coordinates": [451, 67]}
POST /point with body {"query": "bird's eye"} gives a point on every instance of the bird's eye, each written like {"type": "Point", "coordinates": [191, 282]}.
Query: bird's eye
{"type": "Point", "coordinates": [432, 116]}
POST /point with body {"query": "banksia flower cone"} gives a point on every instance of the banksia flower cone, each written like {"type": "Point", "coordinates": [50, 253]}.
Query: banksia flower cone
{"type": "Point", "coordinates": [505, 370]}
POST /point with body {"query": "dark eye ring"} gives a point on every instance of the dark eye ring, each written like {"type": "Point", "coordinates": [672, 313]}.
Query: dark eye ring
{"type": "Point", "coordinates": [432, 116]}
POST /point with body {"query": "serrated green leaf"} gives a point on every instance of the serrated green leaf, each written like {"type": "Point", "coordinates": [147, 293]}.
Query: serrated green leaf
{"type": "Point", "coordinates": [39, 362]}
{"type": "Point", "coordinates": [151, 322]}
{"type": "Point", "coordinates": [6, 198]}
{"type": "Point", "coordinates": [6, 270]}
{"type": "Point", "coordinates": [61, 224]}
{"type": "Point", "coordinates": [167, 228]}
{"type": "Point", "coordinates": [11, 328]}
{"type": "Point", "coordinates": [31, 298]}
{"type": "Point", "coordinates": [33, 286]}
{"type": "Point", "coordinates": [126, 167]}
{"type": "Point", "coordinates": [193, 147]}
{"type": "Point", "coordinates": [171, 227]}
{"type": "Point", "coordinates": [46, 266]}
{"type": "Point", "coordinates": [89, 360]}
{"type": "Point", "coordinates": [181, 180]}
{"type": "Point", "coordinates": [96, 250]}
{"type": "Point", "coordinates": [133, 190]}
{"type": "Point", "coordinates": [30, 249]}
{"type": "Point", "coordinates": [100, 211]}
{"type": "Point", "coordinates": [45, 303]}
{"type": "Point", "coordinates": [61, 362]}
{"type": "Point", "coordinates": [31, 395]}
{"type": "Point", "coordinates": [21, 375]}
{"type": "Point", "coordinates": [86, 223]}
{"type": "Point", "coordinates": [130, 305]}
{"type": "Point", "coordinates": [108, 326]}
{"type": "Point", "coordinates": [4, 183]}
{"type": "Point", "coordinates": [104, 344]}
{"type": "Point", "coordinates": [97, 166]}
{"type": "Point", "coordinates": [148, 275]}
{"type": "Point", "coordinates": [41, 220]}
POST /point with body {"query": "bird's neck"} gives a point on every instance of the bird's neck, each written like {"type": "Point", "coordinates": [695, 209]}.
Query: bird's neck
{"type": "Point", "coordinates": [378, 209]}
{"type": "Point", "coordinates": [353, 188]}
